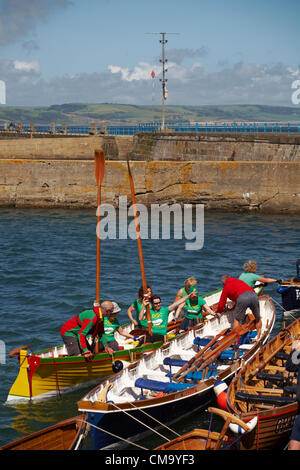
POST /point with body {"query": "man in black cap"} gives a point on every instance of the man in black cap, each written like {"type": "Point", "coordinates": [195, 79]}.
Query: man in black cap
{"type": "Point", "coordinates": [293, 365]}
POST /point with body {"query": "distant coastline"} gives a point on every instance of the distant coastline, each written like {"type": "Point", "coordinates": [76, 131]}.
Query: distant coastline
{"type": "Point", "coordinates": [84, 114]}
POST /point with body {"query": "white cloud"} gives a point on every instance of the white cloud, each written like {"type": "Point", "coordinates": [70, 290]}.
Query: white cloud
{"type": "Point", "coordinates": [142, 71]}
{"type": "Point", "coordinates": [294, 72]}
{"type": "Point", "coordinates": [33, 66]}
{"type": "Point", "coordinates": [187, 85]}
{"type": "Point", "coordinates": [2, 92]}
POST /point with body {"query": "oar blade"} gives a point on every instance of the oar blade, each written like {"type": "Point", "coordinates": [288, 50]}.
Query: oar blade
{"type": "Point", "coordinates": [99, 165]}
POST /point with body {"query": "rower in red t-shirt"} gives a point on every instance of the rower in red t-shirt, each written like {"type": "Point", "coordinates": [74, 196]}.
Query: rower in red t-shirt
{"type": "Point", "coordinates": [88, 322]}
{"type": "Point", "coordinates": [244, 297]}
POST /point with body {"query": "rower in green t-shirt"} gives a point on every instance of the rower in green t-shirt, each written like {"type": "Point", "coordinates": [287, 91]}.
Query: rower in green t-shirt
{"type": "Point", "coordinates": [137, 306]}
{"type": "Point", "coordinates": [111, 325]}
{"type": "Point", "coordinates": [193, 310]}
{"type": "Point", "coordinates": [250, 277]}
{"type": "Point", "coordinates": [188, 283]}
{"type": "Point", "coordinates": [159, 317]}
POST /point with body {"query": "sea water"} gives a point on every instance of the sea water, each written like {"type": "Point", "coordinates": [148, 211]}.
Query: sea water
{"type": "Point", "coordinates": [48, 271]}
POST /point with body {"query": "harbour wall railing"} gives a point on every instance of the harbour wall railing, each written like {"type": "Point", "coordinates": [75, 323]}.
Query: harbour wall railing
{"type": "Point", "coordinates": [274, 128]}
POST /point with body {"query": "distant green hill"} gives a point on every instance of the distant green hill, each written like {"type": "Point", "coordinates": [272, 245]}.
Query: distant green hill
{"type": "Point", "coordinates": [118, 114]}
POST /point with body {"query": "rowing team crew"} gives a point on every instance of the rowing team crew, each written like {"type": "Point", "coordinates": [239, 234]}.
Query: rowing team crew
{"type": "Point", "coordinates": [102, 321]}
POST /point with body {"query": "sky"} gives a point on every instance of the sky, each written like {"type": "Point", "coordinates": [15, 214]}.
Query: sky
{"type": "Point", "coordinates": [224, 52]}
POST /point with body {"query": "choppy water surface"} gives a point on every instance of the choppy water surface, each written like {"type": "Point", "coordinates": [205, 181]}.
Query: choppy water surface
{"type": "Point", "coordinates": [48, 260]}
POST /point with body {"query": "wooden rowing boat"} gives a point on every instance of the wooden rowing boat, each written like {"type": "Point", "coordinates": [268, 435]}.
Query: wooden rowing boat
{"type": "Point", "coordinates": [66, 435]}
{"type": "Point", "coordinates": [205, 439]}
{"type": "Point", "coordinates": [52, 372]}
{"type": "Point", "coordinates": [263, 389]}
{"type": "Point", "coordinates": [174, 380]}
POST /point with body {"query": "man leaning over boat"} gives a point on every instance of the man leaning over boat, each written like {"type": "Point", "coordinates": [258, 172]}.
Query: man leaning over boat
{"type": "Point", "coordinates": [89, 322]}
{"type": "Point", "coordinates": [243, 297]}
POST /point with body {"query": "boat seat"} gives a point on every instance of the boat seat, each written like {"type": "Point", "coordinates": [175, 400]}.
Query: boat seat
{"type": "Point", "coordinates": [282, 355]}
{"type": "Point", "coordinates": [169, 361]}
{"type": "Point", "coordinates": [158, 386]}
{"type": "Point", "coordinates": [246, 338]}
{"type": "Point", "coordinates": [229, 354]}
{"type": "Point", "coordinates": [290, 389]}
{"type": "Point", "coordinates": [197, 375]}
{"type": "Point", "coordinates": [268, 399]}
{"type": "Point", "coordinates": [271, 377]}
{"type": "Point", "coordinates": [149, 384]}
{"type": "Point", "coordinates": [201, 341]}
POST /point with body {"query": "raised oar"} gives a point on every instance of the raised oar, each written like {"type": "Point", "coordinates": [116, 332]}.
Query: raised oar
{"type": "Point", "coordinates": [138, 238]}
{"type": "Point", "coordinates": [99, 173]}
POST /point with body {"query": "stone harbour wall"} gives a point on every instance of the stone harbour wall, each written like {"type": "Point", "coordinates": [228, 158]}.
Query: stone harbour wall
{"type": "Point", "coordinates": [224, 173]}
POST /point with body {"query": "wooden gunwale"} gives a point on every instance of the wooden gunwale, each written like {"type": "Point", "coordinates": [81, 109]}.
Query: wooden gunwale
{"type": "Point", "coordinates": [50, 438]}
{"type": "Point", "coordinates": [269, 431]}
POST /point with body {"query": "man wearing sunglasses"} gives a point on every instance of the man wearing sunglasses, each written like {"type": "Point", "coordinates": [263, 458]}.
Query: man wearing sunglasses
{"type": "Point", "coordinates": [159, 317]}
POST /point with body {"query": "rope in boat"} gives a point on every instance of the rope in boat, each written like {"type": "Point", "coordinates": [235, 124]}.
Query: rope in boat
{"type": "Point", "coordinates": [141, 422]}
{"type": "Point", "coordinates": [257, 432]}
{"type": "Point", "coordinates": [114, 435]}
{"type": "Point", "coordinates": [154, 419]}
{"type": "Point", "coordinates": [236, 440]}
{"type": "Point", "coordinates": [209, 427]}
{"type": "Point", "coordinates": [56, 372]}
{"type": "Point", "coordinates": [283, 308]}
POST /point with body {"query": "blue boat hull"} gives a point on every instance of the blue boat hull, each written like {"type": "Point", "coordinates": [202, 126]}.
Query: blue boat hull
{"type": "Point", "coordinates": [124, 426]}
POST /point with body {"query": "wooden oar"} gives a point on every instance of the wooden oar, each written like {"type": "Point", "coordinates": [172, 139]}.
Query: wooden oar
{"type": "Point", "coordinates": [172, 325]}
{"type": "Point", "coordinates": [99, 173]}
{"type": "Point", "coordinates": [212, 355]}
{"type": "Point", "coordinates": [290, 283]}
{"type": "Point", "coordinates": [138, 237]}
{"type": "Point", "coordinates": [207, 357]}
{"type": "Point", "coordinates": [181, 372]}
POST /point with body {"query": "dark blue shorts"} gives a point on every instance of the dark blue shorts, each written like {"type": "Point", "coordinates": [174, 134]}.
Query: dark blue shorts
{"type": "Point", "coordinates": [295, 436]}
{"type": "Point", "coordinates": [188, 323]}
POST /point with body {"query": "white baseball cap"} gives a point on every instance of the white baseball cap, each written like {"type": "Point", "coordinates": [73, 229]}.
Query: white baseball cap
{"type": "Point", "coordinates": [116, 307]}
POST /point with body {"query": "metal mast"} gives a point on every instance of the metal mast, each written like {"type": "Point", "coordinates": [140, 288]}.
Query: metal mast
{"type": "Point", "coordinates": [163, 80]}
